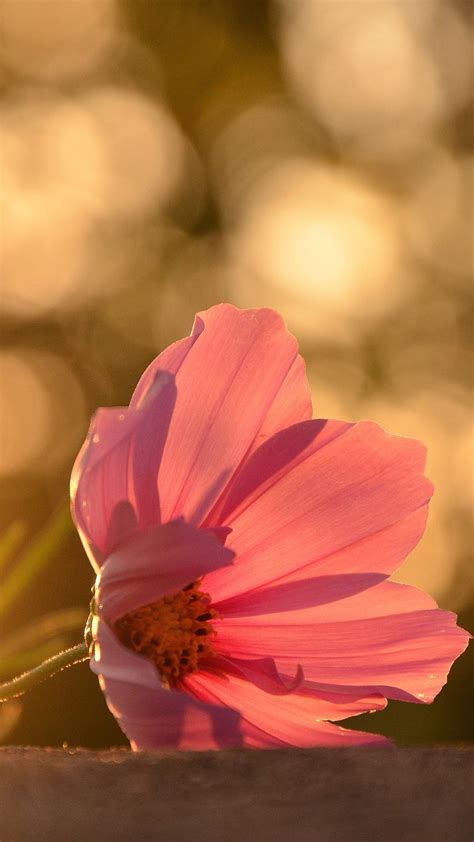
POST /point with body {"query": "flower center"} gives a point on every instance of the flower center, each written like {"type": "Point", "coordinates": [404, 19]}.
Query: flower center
{"type": "Point", "coordinates": [173, 632]}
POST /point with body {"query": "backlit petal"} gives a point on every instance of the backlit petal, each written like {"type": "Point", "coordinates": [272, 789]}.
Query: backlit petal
{"type": "Point", "coordinates": [389, 639]}
{"type": "Point", "coordinates": [114, 487]}
{"type": "Point", "coordinates": [198, 411]}
{"type": "Point", "coordinates": [270, 721]}
{"type": "Point", "coordinates": [262, 672]}
{"type": "Point", "coordinates": [151, 716]}
{"type": "Point", "coordinates": [236, 384]}
{"type": "Point", "coordinates": [156, 561]}
{"type": "Point", "coordinates": [346, 485]}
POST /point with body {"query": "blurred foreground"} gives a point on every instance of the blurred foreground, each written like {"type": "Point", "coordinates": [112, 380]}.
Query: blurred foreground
{"type": "Point", "coordinates": [272, 796]}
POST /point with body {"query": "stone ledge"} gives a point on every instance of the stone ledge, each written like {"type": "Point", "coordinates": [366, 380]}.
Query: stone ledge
{"type": "Point", "coordinates": [319, 795]}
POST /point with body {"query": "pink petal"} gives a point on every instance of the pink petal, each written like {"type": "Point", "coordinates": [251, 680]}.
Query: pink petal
{"type": "Point", "coordinates": [113, 483]}
{"type": "Point", "coordinates": [346, 484]}
{"type": "Point", "coordinates": [329, 596]}
{"type": "Point", "coordinates": [328, 702]}
{"type": "Point", "coordinates": [270, 721]}
{"type": "Point", "coordinates": [292, 403]}
{"type": "Point", "coordinates": [236, 384]}
{"type": "Point", "coordinates": [199, 409]}
{"type": "Point", "coordinates": [262, 672]}
{"type": "Point", "coordinates": [388, 639]}
{"type": "Point", "coordinates": [339, 702]}
{"type": "Point", "coordinates": [154, 562]}
{"type": "Point", "coordinates": [273, 460]}
{"type": "Point", "coordinates": [170, 360]}
{"type": "Point", "coordinates": [151, 716]}
{"type": "Point", "coordinates": [90, 505]}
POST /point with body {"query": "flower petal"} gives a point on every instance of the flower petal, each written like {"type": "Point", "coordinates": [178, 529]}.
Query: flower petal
{"type": "Point", "coordinates": [170, 360]}
{"type": "Point", "coordinates": [310, 587]}
{"type": "Point", "coordinates": [291, 594]}
{"type": "Point", "coordinates": [291, 404]}
{"type": "Point", "coordinates": [240, 380]}
{"type": "Point", "coordinates": [346, 485]}
{"type": "Point", "coordinates": [389, 639]}
{"type": "Point", "coordinates": [173, 451]}
{"type": "Point", "coordinates": [114, 479]}
{"type": "Point", "coordinates": [262, 672]}
{"type": "Point", "coordinates": [151, 716]}
{"type": "Point", "coordinates": [156, 561]}
{"type": "Point", "coordinates": [270, 721]}
{"type": "Point", "coordinates": [282, 453]}
{"type": "Point", "coordinates": [337, 703]}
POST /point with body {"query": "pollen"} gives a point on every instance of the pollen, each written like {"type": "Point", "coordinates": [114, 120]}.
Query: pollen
{"type": "Point", "coordinates": [174, 632]}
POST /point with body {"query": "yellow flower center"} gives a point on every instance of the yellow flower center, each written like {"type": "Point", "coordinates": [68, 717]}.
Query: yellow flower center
{"type": "Point", "coordinates": [173, 632]}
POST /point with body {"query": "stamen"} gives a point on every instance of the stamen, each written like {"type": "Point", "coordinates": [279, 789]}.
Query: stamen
{"type": "Point", "coordinates": [168, 631]}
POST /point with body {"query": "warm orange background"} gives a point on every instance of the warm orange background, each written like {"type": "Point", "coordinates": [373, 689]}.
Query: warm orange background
{"type": "Point", "coordinates": [158, 157]}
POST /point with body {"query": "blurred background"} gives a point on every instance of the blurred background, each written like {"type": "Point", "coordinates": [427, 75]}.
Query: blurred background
{"type": "Point", "coordinates": [160, 156]}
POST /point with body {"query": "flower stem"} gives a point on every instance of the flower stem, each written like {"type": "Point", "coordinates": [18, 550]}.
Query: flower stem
{"type": "Point", "coordinates": [22, 683]}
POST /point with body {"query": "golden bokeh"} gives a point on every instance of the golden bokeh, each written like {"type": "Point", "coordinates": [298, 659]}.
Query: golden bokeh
{"type": "Point", "coordinates": [43, 411]}
{"type": "Point", "coordinates": [363, 65]}
{"type": "Point", "coordinates": [325, 243]}
{"type": "Point", "coordinates": [51, 40]}
{"type": "Point", "coordinates": [25, 414]}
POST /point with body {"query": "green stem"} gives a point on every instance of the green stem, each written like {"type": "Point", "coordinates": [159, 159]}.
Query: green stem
{"type": "Point", "coordinates": [23, 683]}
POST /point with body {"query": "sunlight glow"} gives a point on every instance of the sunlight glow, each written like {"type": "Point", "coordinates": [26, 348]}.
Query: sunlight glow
{"type": "Point", "coordinates": [326, 241]}
{"type": "Point", "coordinates": [386, 50]}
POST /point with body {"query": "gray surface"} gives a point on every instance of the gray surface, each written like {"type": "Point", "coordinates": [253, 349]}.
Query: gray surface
{"type": "Point", "coordinates": [340, 794]}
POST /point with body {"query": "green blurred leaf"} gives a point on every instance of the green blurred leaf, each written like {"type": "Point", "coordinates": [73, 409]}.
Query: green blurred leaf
{"type": "Point", "coordinates": [10, 540]}
{"type": "Point", "coordinates": [35, 557]}
{"type": "Point", "coordinates": [49, 625]}
{"type": "Point", "coordinates": [22, 661]}
{"type": "Point", "coordinates": [39, 640]}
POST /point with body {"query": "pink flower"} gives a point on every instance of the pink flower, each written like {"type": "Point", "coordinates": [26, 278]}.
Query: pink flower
{"type": "Point", "coordinates": [243, 552]}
